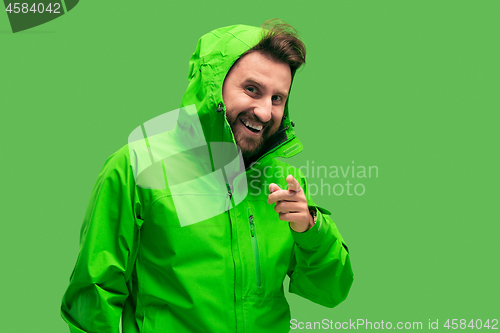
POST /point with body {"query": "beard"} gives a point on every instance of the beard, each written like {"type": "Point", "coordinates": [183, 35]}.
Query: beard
{"type": "Point", "coordinates": [248, 146]}
{"type": "Point", "coordinates": [251, 146]}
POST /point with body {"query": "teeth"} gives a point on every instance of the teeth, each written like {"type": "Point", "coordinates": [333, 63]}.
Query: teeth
{"type": "Point", "coordinates": [255, 127]}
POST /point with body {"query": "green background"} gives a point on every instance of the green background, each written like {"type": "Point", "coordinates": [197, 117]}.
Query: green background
{"type": "Point", "coordinates": [411, 87]}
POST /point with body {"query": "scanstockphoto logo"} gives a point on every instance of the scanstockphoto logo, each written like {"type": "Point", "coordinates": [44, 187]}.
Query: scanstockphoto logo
{"type": "Point", "coordinates": [170, 153]}
{"type": "Point", "coordinates": [28, 14]}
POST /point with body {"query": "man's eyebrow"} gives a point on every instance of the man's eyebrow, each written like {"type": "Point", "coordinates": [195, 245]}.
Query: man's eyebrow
{"type": "Point", "coordinates": [255, 82]}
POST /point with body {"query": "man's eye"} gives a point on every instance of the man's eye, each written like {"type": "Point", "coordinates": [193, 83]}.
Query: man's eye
{"type": "Point", "coordinates": [276, 98]}
{"type": "Point", "coordinates": [251, 89]}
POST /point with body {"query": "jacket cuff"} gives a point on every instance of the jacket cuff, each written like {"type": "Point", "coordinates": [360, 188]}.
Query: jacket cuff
{"type": "Point", "coordinates": [312, 236]}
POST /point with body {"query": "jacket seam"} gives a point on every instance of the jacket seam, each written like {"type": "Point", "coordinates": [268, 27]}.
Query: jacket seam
{"type": "Point", "coordinates": [263, 297]}
{"type": "Point", "coordinates": [172, 195]}
{"type": "Point", "coordinates": [238, 39]}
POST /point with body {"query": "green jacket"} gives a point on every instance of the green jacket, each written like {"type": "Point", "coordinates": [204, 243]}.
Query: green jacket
{"type": "Point", "coordinates": [142, 263]}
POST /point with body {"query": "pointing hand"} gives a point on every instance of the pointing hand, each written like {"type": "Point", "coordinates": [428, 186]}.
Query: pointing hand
{"type": "Point", "coordinates": [291, 205]}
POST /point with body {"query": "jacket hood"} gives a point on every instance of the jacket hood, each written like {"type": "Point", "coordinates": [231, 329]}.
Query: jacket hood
{"type": "Point", "coordinates": [215, 53]}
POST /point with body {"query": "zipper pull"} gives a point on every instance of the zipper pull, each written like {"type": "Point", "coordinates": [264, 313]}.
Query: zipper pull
{"type": "Point", "coordinates": [220, 108]}
{"type": "Point", "coordinates": [252, 225]}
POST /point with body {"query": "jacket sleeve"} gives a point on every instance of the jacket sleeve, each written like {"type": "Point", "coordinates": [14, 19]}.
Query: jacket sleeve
{"type": "Point", "coordinates": [109, 239]}
{"type": "Point", "coordinates": [320, 267]}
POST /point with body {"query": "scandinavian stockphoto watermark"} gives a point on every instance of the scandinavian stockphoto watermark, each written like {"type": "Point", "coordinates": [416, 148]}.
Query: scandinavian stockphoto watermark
{"type": "Point", "coordinates": [338, 179]}
{"type": "Point", "coordinates": [332, 180]}
{"type": "Point", "coordinates": [170, 153]}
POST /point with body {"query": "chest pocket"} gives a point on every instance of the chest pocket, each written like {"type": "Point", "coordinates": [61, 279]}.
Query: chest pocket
{"type": "Point", "coordinates": [266, 248]}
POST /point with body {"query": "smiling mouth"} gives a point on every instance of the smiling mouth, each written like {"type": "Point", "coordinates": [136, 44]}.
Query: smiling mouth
{"type": "Point", "coordinates": [251, 127]}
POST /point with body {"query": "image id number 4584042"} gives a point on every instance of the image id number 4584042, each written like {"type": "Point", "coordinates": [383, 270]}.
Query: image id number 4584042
{"type": "Point", "coordinates": [40, 8]}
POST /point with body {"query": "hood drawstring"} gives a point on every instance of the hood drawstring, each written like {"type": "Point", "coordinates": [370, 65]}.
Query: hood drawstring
{"type": "Point", "coordinates": [286, 128]}
{"type": "Point", "coordinates": [283, 130]}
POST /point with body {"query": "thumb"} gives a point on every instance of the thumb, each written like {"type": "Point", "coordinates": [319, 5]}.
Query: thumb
{"type": "Point", "coordinates": [273, 187]}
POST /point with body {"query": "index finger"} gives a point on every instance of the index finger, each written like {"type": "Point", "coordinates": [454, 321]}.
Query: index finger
{"type": "Point", "coordinates": [293, 184]}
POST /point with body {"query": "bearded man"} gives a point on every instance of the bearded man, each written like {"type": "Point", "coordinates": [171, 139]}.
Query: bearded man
{"type": "Point", "coordinates": [191, 256]}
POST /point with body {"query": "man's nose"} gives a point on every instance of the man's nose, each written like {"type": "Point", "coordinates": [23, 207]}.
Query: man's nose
{"type": "Point", "coordinates": [263, 110]}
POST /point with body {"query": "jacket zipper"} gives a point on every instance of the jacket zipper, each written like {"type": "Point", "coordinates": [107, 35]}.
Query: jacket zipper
{"type": "Point", "coordinates": [255, 247]}
{"type": "Point", "coordinates": [230, 195]}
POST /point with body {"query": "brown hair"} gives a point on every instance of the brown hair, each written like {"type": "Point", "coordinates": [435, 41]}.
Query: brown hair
{"type": "Point", "coordinates": [281, 42]}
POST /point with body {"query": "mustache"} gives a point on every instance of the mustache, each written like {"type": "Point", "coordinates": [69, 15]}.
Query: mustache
{"type": "Point", "coordinates": [256, 119]}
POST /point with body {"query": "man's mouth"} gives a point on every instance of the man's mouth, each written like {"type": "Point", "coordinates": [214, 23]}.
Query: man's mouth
{"type": "Point", "coordinates": [256, 128]}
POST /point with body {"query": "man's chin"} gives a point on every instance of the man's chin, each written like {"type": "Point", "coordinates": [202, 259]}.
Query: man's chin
{"type": "Point", "coordinates": [249, 150]}
{"type": "Point", "coordinates": [251, 146]}
{"type": "Point", "coordinates": [249, 153]}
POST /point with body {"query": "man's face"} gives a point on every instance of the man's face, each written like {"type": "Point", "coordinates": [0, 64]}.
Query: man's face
{"type": "Point", "coordinates": [254, 93]}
